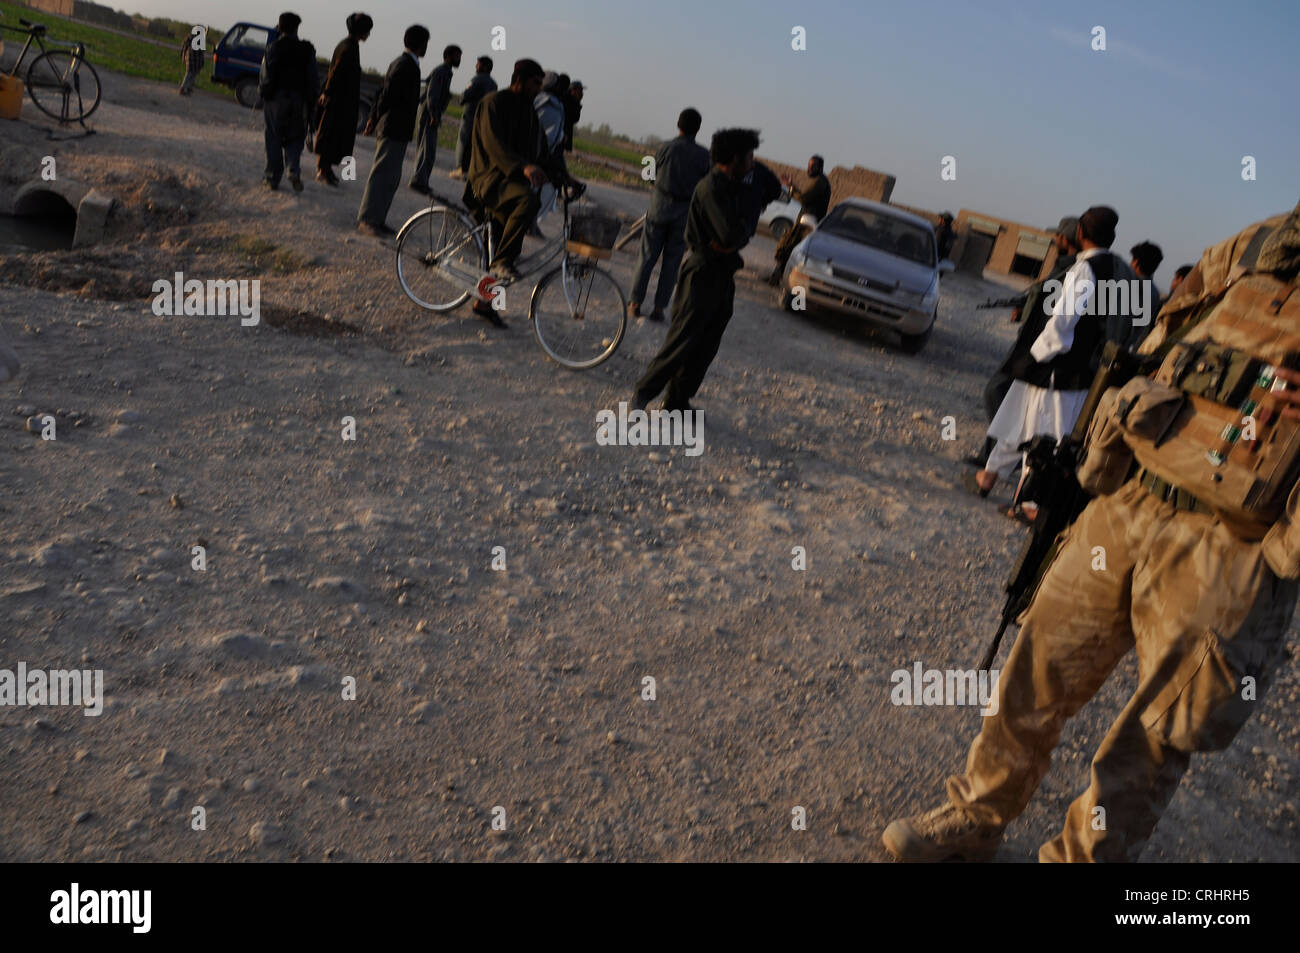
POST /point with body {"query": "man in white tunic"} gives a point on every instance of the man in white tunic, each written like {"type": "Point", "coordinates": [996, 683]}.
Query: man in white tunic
{"type": "Point", "coordinates": [1051, 385]}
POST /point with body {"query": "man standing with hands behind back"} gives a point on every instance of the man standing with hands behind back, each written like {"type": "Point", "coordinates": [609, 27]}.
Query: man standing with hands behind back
{"type": "Point", "coordinates": [392, 121]}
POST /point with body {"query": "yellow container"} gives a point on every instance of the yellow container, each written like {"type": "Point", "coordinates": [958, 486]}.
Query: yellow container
{"type": "Point", "coordinates": [11, 96]}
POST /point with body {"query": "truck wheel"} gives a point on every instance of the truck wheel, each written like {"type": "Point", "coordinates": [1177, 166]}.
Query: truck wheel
{"type": "Point", "coordinates": [246, 93]}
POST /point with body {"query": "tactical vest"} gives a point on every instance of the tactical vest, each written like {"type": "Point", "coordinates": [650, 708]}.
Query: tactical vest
{"type": "Point", "coordinates": [1075, 369]}
{"type": "Point", "coordinates": [1223, 441]}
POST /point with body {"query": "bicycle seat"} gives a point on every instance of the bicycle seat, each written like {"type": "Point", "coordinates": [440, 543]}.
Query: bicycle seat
{"type": "Point", "coordinates": [36, 28]}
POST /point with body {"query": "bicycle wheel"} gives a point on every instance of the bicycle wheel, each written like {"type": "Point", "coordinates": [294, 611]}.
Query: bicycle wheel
{"type": "Point", "coordinates": [428, 238]}
{"type": "Point", "coordinates": [578, 314]}
{"type": "Point", "coordinates": [63, 86]}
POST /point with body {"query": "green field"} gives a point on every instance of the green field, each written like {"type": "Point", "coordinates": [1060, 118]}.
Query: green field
{"type": "Point", "coordinates": [131, 56]}
{"type": "Point", "coordinates": [106, 50]}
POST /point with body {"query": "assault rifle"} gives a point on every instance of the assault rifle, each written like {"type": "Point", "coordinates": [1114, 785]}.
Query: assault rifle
{"type": "Point", "coordinates": [1012, 302]}
{"type": "Point", "coordinates": [1051, 482]}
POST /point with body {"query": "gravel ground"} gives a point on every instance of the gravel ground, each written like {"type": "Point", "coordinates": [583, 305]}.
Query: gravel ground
{"type": "Point", "coordinates": [371, 560]}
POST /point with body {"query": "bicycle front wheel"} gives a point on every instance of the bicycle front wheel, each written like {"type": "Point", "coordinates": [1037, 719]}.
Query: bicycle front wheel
{"type": "Point", "coordinates": [428, 239]}
{"type": "Point", "coordinates": [578, 314]}
{"type": "Point", "coordinates": [63, 86]}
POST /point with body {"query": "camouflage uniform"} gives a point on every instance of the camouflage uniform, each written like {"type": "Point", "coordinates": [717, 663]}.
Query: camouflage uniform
{"type": "Point", "coordinates": [1204, 604]}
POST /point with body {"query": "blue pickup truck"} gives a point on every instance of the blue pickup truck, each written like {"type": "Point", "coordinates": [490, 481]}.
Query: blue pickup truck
{"type": "Point", "coordinates": [237, 62]}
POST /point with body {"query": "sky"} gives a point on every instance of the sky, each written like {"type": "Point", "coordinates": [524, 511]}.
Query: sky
{"type": "Point", "coordinates": [1040, 124]}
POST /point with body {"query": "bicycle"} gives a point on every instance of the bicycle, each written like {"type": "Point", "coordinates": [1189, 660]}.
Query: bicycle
{"type": "Point", "coordinates": [57, 78]}
{"type": "Point", "coordinates": [577, 308]}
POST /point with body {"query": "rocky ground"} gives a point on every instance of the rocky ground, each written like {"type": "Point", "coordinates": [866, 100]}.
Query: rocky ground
{"type": "Point", "coordinates": [371, 560]}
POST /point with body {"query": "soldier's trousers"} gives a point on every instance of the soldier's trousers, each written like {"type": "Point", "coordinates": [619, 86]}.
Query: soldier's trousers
{"type": "Point", "coordinates": [706, 293]}
{"type": "Point", "coordinates": [1208, 618]}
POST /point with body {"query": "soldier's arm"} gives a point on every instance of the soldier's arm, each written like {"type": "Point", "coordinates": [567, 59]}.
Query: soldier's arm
{"type": "Point", "coordinates": [727, 224]}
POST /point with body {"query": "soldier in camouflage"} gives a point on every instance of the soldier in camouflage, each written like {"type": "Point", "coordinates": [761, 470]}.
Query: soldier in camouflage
{"type": "Point", "coordinates": [1204, 598]}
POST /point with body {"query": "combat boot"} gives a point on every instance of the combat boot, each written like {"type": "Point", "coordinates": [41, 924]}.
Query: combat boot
{"type": "Point", "coordinates": [945, 833]}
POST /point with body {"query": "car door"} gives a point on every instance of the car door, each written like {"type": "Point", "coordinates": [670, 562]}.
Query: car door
{"type": "Point", "coordinates": [245, 45]}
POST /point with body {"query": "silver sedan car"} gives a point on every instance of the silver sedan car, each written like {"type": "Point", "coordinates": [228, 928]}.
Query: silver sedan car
{"type": "Point", "coordinates": [870, 261]}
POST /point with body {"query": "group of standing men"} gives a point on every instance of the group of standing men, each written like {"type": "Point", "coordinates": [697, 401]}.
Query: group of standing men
{"type": "Point", "coordinates": [1041, 385]}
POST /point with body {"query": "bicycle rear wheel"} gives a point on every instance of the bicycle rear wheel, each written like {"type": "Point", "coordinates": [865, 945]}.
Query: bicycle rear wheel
{"type": "Point", "coordinates": [63, 86]}
{"type": "Point", "coordinates": [578, 314]}
{"type": "Point", "coordinates": [428, 238]}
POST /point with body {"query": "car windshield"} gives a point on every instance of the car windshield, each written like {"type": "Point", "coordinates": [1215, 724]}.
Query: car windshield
{"type": "Point", "coordinates": [884, 232]}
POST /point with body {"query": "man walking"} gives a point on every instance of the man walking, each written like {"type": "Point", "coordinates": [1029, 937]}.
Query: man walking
{"type": "Point", "coordinates": [815, 199]}
{"type": "Point", "coordinates": [679, 165]}
{"type": "Point", "coordinates": [717, 227]}
{"type": "Point", "coordinates": [392, 121]}
{"type": "Point", "coordinates": [192, 59]}
{"type": "Point", "coordinates": [289, 82]}
{"type": "Point", "coordinates": [437, 95]}
{"type": "Point", "coordinates": [1202, 586]}
{"type": "Point", "coordinates": [336, 136]}
{"type": "Point", "coordinates": [478, 87]}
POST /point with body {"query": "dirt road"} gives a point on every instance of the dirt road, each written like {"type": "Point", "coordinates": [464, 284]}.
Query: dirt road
{"type": "Point", "coordinates": [370, 560]}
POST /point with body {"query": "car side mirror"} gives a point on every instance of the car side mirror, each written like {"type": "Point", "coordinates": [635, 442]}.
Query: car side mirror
{"type": "Point", "coordinates": [946, 266]}
{"type": "Point", "coordinates": [809, 219]}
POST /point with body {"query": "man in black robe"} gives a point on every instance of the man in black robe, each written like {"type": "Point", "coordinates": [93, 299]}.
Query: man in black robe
{"type": "Point", "coordinates": [340, 101]}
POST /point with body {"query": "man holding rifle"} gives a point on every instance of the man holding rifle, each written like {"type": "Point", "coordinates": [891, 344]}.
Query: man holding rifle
{"type": "Point", "coordinates": [1197, 526]}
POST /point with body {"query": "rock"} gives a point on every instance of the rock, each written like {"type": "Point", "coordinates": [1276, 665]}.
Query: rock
{"type": "Point", "coordinates": [25, 410]}
{"type": "Point", "coordinates": [251, 785]}
{"type": "Point", "coordinates": [173, 798]}
{"type": "Point", "coordinates": [425, 711]}
{"type": "Point", "coordinates": [168, 758]}
{"type": "Point", "coordinates": [338, 584]}
{"type": "Point", "coordinates": [22, 589]}
{"type": "Point", "coordinates": [53, 555]}
{"type": "Point", "coordinates": [35, 424]}
{"type": "Point", "coordinates": [265, 834]}
{"type": "Point", "coordinates": [241, 644]}
{"type": "Point", "coordinates": [132, 771]}
{"type": "Point", "coordinates": [83, 817]}
{"type": "Point", "coordinates": [176, 501]}
{"type": "Point", "coordinates": [129, 417]}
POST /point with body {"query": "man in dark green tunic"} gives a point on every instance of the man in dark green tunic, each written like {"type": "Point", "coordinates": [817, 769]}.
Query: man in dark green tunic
{"type": "Point", "coordinates": [717, 227]}
{"type": "Point", "coordinates": [509, 163]}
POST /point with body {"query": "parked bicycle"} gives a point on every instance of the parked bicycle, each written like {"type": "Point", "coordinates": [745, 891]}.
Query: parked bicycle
{"type": "Point", "coordinates": [61, 82]}
{"type": "Point", "coordinates": [577, 308]}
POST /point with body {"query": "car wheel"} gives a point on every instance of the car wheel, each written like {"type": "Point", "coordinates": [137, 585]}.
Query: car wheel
{"type": "Point", "coordinates": [779, 227]}
{"type": "Point", "coordinates": [246, 93]}
{"type": "Point", "coordinates": [913, 343]}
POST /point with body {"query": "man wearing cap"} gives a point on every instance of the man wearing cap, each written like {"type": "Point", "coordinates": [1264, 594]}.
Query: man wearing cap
{"type": "Point", "coordinates": [679, 165]}
{"type": "Point", "coordinates": [437, 95]}
{"type": "Point", "coordinates": [995, 391]}
{"type": "Point", "coordinates": [509, 164]}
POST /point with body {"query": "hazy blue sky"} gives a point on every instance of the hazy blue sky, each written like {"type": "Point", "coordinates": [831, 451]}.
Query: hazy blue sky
{"type": "Point", "coordinates": [1040, 124]}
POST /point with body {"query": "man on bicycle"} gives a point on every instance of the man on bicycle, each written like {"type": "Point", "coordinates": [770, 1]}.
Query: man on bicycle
{"type": "Point", "coordinates": [508, 164]}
